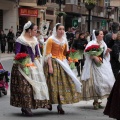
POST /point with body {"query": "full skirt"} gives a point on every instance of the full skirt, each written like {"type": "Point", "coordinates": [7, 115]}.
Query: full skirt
{"type": "Point", "coordinates": [21, 91]}
{"type": "Point", "coordinates": [88, 90]}
{"type": "Point", "coordinates": [100, 83]}
{"type": "Point", "coordinates": [62, 89]}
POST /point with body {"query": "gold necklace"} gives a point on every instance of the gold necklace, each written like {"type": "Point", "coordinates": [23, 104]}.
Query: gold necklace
{"type": "Point", "coordinates": [99, 42]}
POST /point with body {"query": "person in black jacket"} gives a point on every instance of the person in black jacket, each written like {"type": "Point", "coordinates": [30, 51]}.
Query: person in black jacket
{"type": "Point", "coordinates": [112, 108]}
{"type": "Point", "coordinates": [70, 36]}
{"type": "Point", "coordinates": [80, 44]}
{"type": "Point", "coordinates": [10, 40]}
{"type": "Point", "coordinates": [115, 55]}
{"type": "Point", "coordinates": [110, 36]}
{"type": "Point", "coordinates": [3, 41]}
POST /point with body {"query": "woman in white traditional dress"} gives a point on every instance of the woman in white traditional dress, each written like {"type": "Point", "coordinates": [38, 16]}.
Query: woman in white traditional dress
{"type": "Point", "coordinates": [29, 91]}
{"type": "Point", "coordinates": [63, 86]}
{"type": "Point", "coordinates": [97, 81]}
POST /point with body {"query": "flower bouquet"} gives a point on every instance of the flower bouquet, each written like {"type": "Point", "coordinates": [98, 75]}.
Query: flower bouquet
{"type": "Point", "coordinates": [23, 60]}
{"type": "Point", "coordinates": [73, 56]}
{"type": "Point", "coordinates": [95, 50]}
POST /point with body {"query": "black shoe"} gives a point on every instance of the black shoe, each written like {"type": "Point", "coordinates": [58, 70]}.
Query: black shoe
{"type": "Point", "coordinates": [27, 111]}
{"type": "Point", "coordinates": [49, 107]}
{"type": "Point", "coordinates": [60, 110]}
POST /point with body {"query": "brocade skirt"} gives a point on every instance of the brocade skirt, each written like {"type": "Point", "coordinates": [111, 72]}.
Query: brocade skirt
{"type": "Point", "coordinates": [61, 87]}
{"type": "Point", "coordinates": [21, 92]}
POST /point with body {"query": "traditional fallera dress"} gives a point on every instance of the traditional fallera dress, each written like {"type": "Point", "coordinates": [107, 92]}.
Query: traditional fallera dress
{"type": "Point", "coordinates": [64, 87]}
{"type": "Point", "coordinates": [97, 81]}
{"type": "Point", "coordinates": [28, 91]}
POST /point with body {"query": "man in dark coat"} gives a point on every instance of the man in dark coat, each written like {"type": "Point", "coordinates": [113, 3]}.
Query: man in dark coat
{"type": "Point", "coordinates": [3, 41]}
{"type": "Point", "coordinates": [110, 41]}
{"type": "Point", "coordinates": [10, 40]}
{"type": "Point", "coordinates": [70, 36]}
{"type": "Point", "coordinates": [111, 36]}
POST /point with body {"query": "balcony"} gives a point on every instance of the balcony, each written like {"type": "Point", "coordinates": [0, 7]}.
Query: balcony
{"type": "Point", "coordinates": [70, 8]}
{"type": "Point", "coordinates": [54, 6]}
{"type": "Point", "coordinates": [97, 11]}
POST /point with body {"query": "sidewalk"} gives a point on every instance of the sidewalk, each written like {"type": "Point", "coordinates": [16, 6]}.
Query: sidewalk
{"type": "Point", "coordinates": [6, 56]}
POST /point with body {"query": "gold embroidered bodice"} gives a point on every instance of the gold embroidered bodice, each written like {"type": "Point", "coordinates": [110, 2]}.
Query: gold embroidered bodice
{"type": "Point", "coordinates": [57, 50]}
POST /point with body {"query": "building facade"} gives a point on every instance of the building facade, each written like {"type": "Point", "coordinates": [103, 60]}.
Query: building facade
{"type": "Point", "coordinates": [76, 10]}
{"type": "Point", "coordinates": [8, 15]}
{"type": "Point", "coordinates": [116, 6]}
{"type": "Point", "coordinates": [15, 13]}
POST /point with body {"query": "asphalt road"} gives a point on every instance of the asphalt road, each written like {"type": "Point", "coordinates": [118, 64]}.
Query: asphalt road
{"type": "Point", "coordinates": [79, 111]}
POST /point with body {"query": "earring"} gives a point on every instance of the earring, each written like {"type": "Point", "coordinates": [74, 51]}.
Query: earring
{"type": "Point", "coordinates": [30, 33]}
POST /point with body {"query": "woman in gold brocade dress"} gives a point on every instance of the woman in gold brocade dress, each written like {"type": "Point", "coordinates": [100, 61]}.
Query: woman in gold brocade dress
{"type": "Point", "coordinates": [64, 87]}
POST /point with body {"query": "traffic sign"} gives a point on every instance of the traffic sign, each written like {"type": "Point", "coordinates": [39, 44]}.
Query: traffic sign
{"type": "Point", "coordinates": [103, 23]}
{"type": "Point", "coordinates": [75, 23]}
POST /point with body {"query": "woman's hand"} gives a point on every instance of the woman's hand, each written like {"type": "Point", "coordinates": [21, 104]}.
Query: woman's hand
{"type": "Point", "coordinates": [95, 58]}
{"type": "Point", "coordinates": [51, 70]}
{"type": "Point", "coordinates": [108, 51]}
{"type": "Point", "coordinates": [50, 66]}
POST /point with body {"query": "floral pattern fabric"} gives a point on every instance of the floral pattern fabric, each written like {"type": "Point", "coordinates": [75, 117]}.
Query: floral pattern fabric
{"type": "Point", "coordinates": [22, 92]}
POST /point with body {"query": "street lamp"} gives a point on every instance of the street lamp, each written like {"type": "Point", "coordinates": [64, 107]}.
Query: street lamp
{"type": "Point", "coordinates": [89, 8]}
{"type": "Point", "coordinates": [108, 11]}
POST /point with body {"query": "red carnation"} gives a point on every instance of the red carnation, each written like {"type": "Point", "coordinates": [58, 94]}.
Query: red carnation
{"type": "Point", "coordinates": [92, 48]}
{"type": "Point", "coordinates": [20, 56]}
{"type": "Point", "coordinates": [71, 51]}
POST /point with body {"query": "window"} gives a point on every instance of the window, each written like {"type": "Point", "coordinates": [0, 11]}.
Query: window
{"type": "Point", "coordinates": [98, 25]}
{"type": "Point", "coordinates": [75, 2]}
{"type": "Point", "coordinates": [79, 1]}
{"type": "Point", "coordinates": [68, 1]}
{"type": "Point", "coordinates": [58, 1]}
{"type": "Point", "coordinates": [107, 3]}
{"type": "Point", "coordinates": [53, 1]}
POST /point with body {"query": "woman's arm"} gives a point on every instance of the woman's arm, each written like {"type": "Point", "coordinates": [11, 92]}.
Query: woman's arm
{"type": "Point", "coordinates": [17, 47]}
{"type": "Point", "coordinates": [50, 65]}
{"type": "Point", "coordinates": [37, 51]}
{"type": "Point", "coordinates": [49, 55]}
